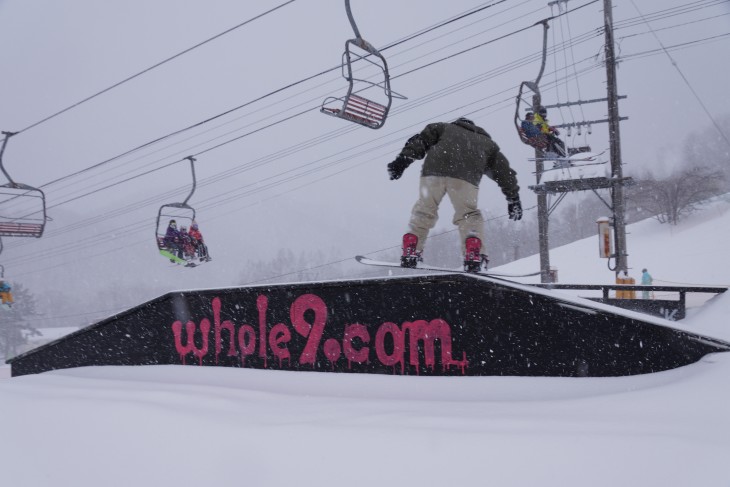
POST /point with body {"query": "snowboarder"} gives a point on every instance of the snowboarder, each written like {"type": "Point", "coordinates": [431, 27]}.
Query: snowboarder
{"type": "Point", "coordinates": [646, 280]}
{"type": "Point", "coordinates": [554, 144]}
{"type": "Point", "coordinates": [457, 155]}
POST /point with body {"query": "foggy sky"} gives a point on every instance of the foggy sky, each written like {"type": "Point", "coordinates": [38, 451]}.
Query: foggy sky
{"type": "Point", "coordinates": [273, 189]}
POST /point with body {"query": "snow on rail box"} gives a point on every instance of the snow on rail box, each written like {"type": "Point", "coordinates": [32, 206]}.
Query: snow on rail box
{"type": "Point", "coordinates": [382, 263]}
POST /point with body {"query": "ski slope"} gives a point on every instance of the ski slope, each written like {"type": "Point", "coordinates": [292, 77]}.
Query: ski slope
{"type": "Point", "coordinates": [184, 425]}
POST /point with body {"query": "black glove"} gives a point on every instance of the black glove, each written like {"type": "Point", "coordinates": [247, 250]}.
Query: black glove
{"type": "Point", "coordinates": [514, 209]}
{"type": "Point", "coordinates": [396, 168]}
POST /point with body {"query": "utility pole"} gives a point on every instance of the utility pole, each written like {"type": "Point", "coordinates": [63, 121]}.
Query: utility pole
{"type": "Point", "coordinates": [619, 222]}
{"type": "Point", "coordinates": [615, 183]}
{"type": "Point", "coordinates": [543, 217]}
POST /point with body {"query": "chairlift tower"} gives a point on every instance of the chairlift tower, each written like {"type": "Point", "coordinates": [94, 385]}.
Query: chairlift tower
{"type": "Point", "coordinates": [615, 183]}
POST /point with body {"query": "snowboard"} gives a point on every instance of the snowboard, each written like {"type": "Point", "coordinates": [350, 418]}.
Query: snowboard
{"type": "Point", "coordinates": [382, 263]}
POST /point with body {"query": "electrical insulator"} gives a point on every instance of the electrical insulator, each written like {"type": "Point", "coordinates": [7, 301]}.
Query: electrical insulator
{"type": "Point", "coordinates": [570, 130]}
{"type": "Point", "coordinates": [579, 129]}
{"type": "Point", "coordinates": [590, 129]}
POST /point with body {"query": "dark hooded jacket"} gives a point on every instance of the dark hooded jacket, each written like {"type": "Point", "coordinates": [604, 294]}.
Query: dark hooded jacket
{"type": "Point", "coordinates": [464, 151]}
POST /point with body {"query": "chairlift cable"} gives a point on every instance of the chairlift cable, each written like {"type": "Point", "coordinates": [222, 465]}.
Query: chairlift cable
{"type": "Point", "coordinates": [168, 165]}
{"type": "Point", "coordinates": [73, 248]}
{"type": "Point", "coordinates": [227, 112]}
{"type": "Point", "coordinates": [442, 24]}
{"type": "Point", "coordinates": [684, 78]}
{"type": "Point", "coordinates": [236, 138]}
{"type": "Point", "coordinates": [175, 56]}
{"type": "Point", "coordinates": [276, 123]}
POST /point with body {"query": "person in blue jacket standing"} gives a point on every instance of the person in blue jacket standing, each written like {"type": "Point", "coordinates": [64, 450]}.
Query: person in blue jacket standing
{"type": "Point", "coordinates": [646, 280]}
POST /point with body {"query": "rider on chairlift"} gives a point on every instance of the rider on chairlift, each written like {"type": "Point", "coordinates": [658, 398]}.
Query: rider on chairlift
{"type": "Point", "coordinates": [173, 239]}
{"type": "Point", "coordinates": [197, 238]}
{"type": "Point", "coordinates": [529, 128]}
{"type": "Point", "coordinates": [554, 144]}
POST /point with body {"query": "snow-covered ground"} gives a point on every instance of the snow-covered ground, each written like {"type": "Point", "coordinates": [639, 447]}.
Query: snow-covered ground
{"type": "Point", "coordinates": [182, 425]}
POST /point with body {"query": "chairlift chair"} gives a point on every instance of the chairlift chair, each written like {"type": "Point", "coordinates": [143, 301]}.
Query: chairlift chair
{"type": "Point", "coordinates": [539, 143]}
{"type": "Point", "coordinates": [184, 216]}
{"type": "Point", "coordinates": [22, 207]}
{"type": "Point", "coordinates": [531, 89]}
{"type": "Point", "coordinates": [355, 107]}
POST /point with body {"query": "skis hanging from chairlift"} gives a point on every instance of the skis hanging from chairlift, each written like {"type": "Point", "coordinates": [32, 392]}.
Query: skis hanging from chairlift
{"type": "Point", "coordinates": [583, 156]}
{"type": "Point", "coordinates": [575, 161]}
{"type": "Point", "coordinates": [172, 243]}
{"type": "Point", "coordinates": [22, 207]}
{"type": "Point", "coordinates": [372, 110]}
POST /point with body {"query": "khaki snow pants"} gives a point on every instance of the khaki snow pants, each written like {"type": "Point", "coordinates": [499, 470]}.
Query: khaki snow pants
{"type": "Point", "coordinates": [463, 196]}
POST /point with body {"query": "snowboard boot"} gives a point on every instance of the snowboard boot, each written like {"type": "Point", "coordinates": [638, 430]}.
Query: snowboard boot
{"type": "Point", "coordinates": [473, 255]}
{"type": "Point", "coordinates": [411, 257]}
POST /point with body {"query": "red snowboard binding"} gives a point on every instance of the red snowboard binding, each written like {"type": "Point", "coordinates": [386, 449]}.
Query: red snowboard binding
{"type": "Point", "coordinates": [411, 257]}
{"type": "Point", "coordinates": [473, 258]}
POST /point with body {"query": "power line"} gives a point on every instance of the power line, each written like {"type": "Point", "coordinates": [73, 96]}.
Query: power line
{"type": "Point", "coordinates": [206, 150]}
{"type": "Point", "coordinates": [456, 87]}
{"type": "Point", "coordinates": [684, 78]}
{"type": "Point", "coordinates": [250, 165]}
{"type": "Point", "coordinates": [340, 131]}
{"type": "Point", "coordinates": [258, 129]}
{"type": "Point", "coordinates": [258, 188]}
{"type": "Point", "coordinates": [674, 47]}
{"type": "Point", "coordinates": [444, 23]}
{"type": "Point", "coordinates": [668, 13]}
{"type": "Point", "coordinates": [72, 247]}
{"type": "Point", "coordinates": [157, 65]}
{"type": "Point", "coordinates": [713, 17]}
{"type": "Point", "coordinates": [239, 107]}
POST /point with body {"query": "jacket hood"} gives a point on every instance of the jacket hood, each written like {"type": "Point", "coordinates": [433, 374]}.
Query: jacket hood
{"type": "Point", "coordinates": [469, 125]}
